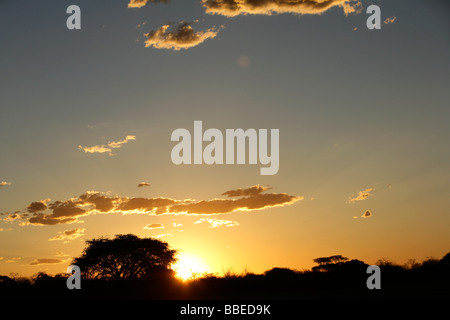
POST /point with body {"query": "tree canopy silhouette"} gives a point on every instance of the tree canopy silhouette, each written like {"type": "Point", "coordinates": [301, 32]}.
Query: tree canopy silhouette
{"type": "Point", "coordinates": [328, 263]}
{"type": "Point", "coordinates": [124, 257]}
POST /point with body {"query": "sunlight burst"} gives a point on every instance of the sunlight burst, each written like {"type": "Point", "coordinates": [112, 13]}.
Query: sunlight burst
{"type": "Point", "coordinates": [189, 266]}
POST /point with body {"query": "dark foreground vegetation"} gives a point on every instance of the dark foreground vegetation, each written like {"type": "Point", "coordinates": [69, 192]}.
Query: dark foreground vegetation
{"type": "Point", "coordinates": [427, 280]}
{"type": "Point", "coordinates": [334, 277]}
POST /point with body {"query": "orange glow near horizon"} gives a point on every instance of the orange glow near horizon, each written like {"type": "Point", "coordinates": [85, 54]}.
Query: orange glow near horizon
{"type": "Point", "coordinates": [189, 266]}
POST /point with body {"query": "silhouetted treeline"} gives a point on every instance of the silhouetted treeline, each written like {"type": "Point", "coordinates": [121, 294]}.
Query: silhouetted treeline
{"type": "Point", "coordinates": [337, 277]}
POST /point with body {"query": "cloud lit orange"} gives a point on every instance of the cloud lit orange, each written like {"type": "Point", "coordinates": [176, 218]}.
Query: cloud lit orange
{"type": "Point", "coordinates": [177, 37]}
{"type": "Point", "coordinates": [232, 8]}
{"type": "Point", "coordinates": [92, 202]}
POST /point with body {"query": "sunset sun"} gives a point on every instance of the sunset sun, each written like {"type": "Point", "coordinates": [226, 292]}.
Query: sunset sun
{"type": "Point", "coordinates": [188, 266]}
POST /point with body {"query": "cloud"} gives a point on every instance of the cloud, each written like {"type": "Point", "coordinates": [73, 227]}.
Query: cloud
{"type": "Point", "coordinates": [252, 191]}
{"type": "Point", "coordinates": [159, 236]}
{"type": "Point", "coordinates": [68, 235]}
{"type": "Point", "coordinates": [137, 3]}
{"type": "Point", "coordinates": [118, 144]}
{"type": "Point", "coordinates": [66, 209]}
{"type": "Point", "coordinates": [142, 3]}
{"type": "Point", "coordinates": [352, 6]}
{"type": "Point", "coordinates": [61, 254]}
{"type": "Point", "coordinates": [390, 20]}
{"type": "Point", "coordinates": [214, 223]}
{"type": "Point", "coordinates": [14, 216]}
{"type": "Point", "coordinates": [362, 195]}
{"type": "Point", "coordinates": [154, 226]}
{"type": "Point", "coordinates": [93, 202]}
{"type": "Point", "coordinates": [253, 202]}
{"type": "Point", "coordinates": [107, 148]}
{"type": "Point", "coordinates": [140, 25]}
{"type": "Point", "coordinates": [99, 202]}
{"type": "Point", "coordinates": [96, 149]}
{"type": "Point", "coordinates": [42, 219]}
{"type": "Point", "coordinates": [38, 262]}
{"type": "Point", "coordinates": [143, 184]}
{"type": "Point", "coordinates": [145, 205]}
{"type": "Point", "coordinates": [12, 260]}
{"type": "Point", "coordinates": [178, 36]}
{"type": "Point", "coordinates": [38, 206]}
{"type": "Point", "coordinates": [232, 8]}
{"type": "Point", "coordinates": [4, 184]}
{"type": "Point", "coordinates": [367, 214]}
{"type": "Point", "coordinates": [63, 212]}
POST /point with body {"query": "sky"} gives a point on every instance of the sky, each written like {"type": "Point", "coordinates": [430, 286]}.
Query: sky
{"type": "Point", "coordinates": [87, 115]}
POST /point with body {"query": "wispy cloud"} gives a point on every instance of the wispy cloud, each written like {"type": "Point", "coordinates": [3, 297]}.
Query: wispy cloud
{"type": "Point", "coordinates": [15, 216]}
{"type": "Point", "coordinates": [362, 195]}
{"type": "Point", "coordinates": [154, 226]}
{"type": "Point", "coordinates": [142, 3]}
{"type": "Point", "coordinates": [390, 20]}
{"type": "Point", "coordinates": [61, 254]}
{"type": "Point", "coordinates": [162, 235]}
{"type": "Point", "coordinates": [143, 184]}
{"type": "Point", "coordinates": [232, 8]}
{"type": "Point", "coordinates": [14, 259]}
{"type": "Point", "coordinates": [252, 191]}
{"type": "Point", "coordinates": [178, 36]}
{"type": "Point", "coordinates": [214, 223]}
{"type": "Point", "coordinates": [68, 235]}
{"type": "Point", "coordinates": [42, 261]}
{"type": "Point", "coordinates": [108, 147]}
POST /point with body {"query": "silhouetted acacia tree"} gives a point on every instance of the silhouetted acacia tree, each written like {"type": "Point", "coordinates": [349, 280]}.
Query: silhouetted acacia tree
{"type": "Point", "coordinates": [124, 257]}
{"type": "Point", "coordinates": [328, 263]}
